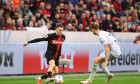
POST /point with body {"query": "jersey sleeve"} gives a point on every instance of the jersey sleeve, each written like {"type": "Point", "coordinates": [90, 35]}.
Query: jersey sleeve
{"type": "Point", "coordinates": [103, 40]}
{"type": "Point", "coordinates": [46, 38]}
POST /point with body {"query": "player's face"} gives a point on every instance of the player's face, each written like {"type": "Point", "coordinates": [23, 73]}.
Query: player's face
{"type": "Point", "coordinates": [93, 31]}
{"type": "Point", "coordinates": [59, 31]}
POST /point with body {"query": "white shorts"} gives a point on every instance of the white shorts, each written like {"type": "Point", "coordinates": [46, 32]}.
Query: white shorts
{"type": "Point", "coordinates": [111, 56]}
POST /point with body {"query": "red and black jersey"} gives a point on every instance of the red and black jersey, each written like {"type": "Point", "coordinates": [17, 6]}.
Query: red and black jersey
{"type": "Point", "coordinates": [54, 43]}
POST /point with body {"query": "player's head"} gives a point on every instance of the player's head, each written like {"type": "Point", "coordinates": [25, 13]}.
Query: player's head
{"type": "Point", "coordinates": [94, 27]}
{"type": "Point", "coordinates": [59, 29]}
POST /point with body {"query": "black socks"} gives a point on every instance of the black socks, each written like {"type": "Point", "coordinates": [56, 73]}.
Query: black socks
{"type": "Point", "coordinates": [48, 75]}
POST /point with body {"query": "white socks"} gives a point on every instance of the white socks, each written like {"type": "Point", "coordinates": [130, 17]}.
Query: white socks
{"type": "Point", "coordinates": [93, 71]}
{"type": "Point", "coordinates": [104, 69]}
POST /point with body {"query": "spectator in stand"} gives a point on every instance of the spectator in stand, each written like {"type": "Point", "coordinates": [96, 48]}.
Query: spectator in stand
{"type": "Point", "coordinates": [66, 9]}
{"type": "Point", "coordinates": [81, 2]}
{"type": "Point", "coordinates": [116, 26]}
{"type": "Point", "coordinates": [8, 24]}
{"type": "Point", "coordinates": [68, 27]}
{"type": "Point", "coordinates": [55, 20]}
{"type": "Point", "coordinates": [126, 4]}
{"type": "Point", "coordinates": [99, 4]}
{"type": "Point", "coordinates": [88, 19]}
{"type": "Point", "coordinates": [26, 10]}
{"type": "Point", "coordinates": [93, 18]}
{"type": "Point", "coordinates": [62, 18]}
{"type": "Point", "coordinates": [82, 20]}
{"type": "Point", "coordinates": [133, 28]}
{"type": "Point", "coordinates": [20, 25]}
{"type": "Point", "coordinates": [87, 28]}
{"type": "Point", "coordinates": [35, 24]}
{"type": "Point", "coordinates": [74, 19]}
{"type": "Point", "coordinates": [35, 5]}
{"type": "Point", "coordinates": [16, 17]}
{"type": "Point", "coordinates": [100, 11]}
{"type": "Point", "coordinates": [93, 4]}
{"type": "Point", "coordinates": [42, 6]}
{"type": "Point", "coordinates": [31, 24]}
{"type": "Point", "coordinates": [129, 22]}
{"type": "Point", "coordinates": [80, 27]}
{"type": "Point", "coordinates": [117, 6]}
{"type": "Point", "coordinates": [98, 19]}
{"type": "Point", "coordinates": [125, 13]}
{"type": "Point", "coordinates": [76, 11]}
{"type": "Point", "coordinates": [136, 16]}
{"type": "Point", "coordinates": [38, 15]}
{"type": "Point", "coordinates": [125, 29]}
{"type": "Point", "coordinates": [138, 28]}
{"type": "Point", "coordinates": [11, 8]}
{"type": "Point", "coordinates": [113, 12]}
{"type": "Point", "coordinates": [20, 8]}
{"type": "Point", "coordinates": [44, 19]}
{"type": "Point", "coordinates": [33, 18]}
{"type": "Point", "coordinates": [56, 10]}
{"type": "Point", "coordinates": [68, 19]}
{"type": "Point", "coordinates": [13, 24]}
{"type": "Point", "coordinates": [25, 20]}
{"type": "Point", "coordinates": [80, 8]}
{"type": "Point", "coordinates": [39, 23]}
{"type": "Point", "coordinates": [87, 3]}
{"type": "Point", "coordinates": [61, 6]}
{"type": "Point", "coordinates": [48, 10]}
{"type": "Point", "coordinates": [2, 19]}
{"type": "Point", "coordinates": [107, 25]}
{"type": "Point", "coordinates": [84, 7]}
{"type": "Point", "coordinates": [131, 13]}
{"type": "Point", "coordinates": [70, 8]}
{"type": "Point", "coordinates": [74, 27]}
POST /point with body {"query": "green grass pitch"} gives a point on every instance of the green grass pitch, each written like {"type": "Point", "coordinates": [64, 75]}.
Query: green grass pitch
{"type": "Point", "coordinates": [119, 78]}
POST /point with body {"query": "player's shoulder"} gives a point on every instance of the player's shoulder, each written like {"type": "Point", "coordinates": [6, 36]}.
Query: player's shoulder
{"type": "Point", "coordinates": [63, 36]}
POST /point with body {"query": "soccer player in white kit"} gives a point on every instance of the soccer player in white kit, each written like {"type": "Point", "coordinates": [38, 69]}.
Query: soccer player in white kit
{"type": "Point", "coordinates": [112, 51]}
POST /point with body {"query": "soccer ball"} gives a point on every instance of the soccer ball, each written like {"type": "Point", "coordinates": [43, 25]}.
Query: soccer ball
{"type": "Point", "coordinates": [58, 79]}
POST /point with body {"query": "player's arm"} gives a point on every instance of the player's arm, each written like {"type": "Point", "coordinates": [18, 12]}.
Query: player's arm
{"type": "Point", "coordinates": [36, 40]}
{"type": "Point", "coordinates": [107, 50]}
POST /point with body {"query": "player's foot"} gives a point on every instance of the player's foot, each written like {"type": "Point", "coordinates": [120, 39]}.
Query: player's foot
{"type": "Point", "coordinates": [111, 75]}
{"type": "Point", "coordinates": [38, 80]}
{"type": "Point", "coordinates": [49, 80]}
{"type": "Point", "coordinates": [88, 81]}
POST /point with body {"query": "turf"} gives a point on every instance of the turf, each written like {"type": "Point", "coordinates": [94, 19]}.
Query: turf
{"type": "Point", "coordinates": [120, 78]}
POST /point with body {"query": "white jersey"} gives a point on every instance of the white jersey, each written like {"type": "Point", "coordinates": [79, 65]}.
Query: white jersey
{"type": "Point", "coordinates": [107, 38]}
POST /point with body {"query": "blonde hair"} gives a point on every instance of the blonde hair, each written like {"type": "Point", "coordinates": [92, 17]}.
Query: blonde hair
{"type": "Point", "coordinates": [94, 25]}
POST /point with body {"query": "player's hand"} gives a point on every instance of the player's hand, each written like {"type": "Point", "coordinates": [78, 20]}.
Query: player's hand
{"type": "Point", "coordinates": [25, 44]}
{"type": "Point", "coordinates": [105, 64]}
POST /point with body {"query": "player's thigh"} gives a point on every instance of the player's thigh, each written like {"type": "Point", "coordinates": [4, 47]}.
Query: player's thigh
{"type": "Point", "coordinates": [98, 60]}
{"type": "Point", "coordinates": [52, 62]}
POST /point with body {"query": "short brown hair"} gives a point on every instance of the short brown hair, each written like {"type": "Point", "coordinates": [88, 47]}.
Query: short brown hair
{"type": "Point", "coordinates": [59, 25]}
{"type": "Point", "coordinates": [94, 25]}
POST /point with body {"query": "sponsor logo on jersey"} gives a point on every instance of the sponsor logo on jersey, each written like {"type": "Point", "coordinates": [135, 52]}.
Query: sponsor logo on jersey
{"type": "Point", "coordinates": [56, 42]}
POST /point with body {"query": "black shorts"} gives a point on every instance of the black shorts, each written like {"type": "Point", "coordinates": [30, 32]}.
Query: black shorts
{"type": "Point", "coordinates": [51, 56]}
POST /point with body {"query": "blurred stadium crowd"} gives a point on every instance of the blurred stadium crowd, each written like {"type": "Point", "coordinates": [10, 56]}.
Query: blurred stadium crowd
{"type": "Point", "coordinates": [75, 15]}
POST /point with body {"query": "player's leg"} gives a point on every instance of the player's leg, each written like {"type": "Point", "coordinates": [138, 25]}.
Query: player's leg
{"type": "Point", "coordinates": [93, 71]}
{"type": "Point", "coordinates": [55, 71]}
{"type": "Point", "coordinates": [109, 75]}
{"type": "Point", "coordinates": [49, 73]}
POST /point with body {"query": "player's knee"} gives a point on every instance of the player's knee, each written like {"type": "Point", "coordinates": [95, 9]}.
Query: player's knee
{"type": "Point", "coordinates": [95, 61]}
